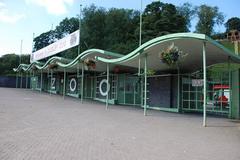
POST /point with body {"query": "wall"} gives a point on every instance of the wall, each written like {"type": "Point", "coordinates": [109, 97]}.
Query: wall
{"type": "Point", "coordinates": [235, 101]}
{"type": "Point", "coordinates": [163, 91]}
{"type": "Point", "coordinates": [10, 82]}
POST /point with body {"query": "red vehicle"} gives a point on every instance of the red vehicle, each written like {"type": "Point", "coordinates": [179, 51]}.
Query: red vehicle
{"type": "Point", "coordinates": [221, 95]}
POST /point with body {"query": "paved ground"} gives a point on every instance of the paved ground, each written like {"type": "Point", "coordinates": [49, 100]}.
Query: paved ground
{"type": "Point", "coordinates": [38, 126]}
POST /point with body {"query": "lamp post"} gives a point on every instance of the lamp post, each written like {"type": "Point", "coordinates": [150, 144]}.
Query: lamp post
{"type": "Point", "coordinates": [140, 39]}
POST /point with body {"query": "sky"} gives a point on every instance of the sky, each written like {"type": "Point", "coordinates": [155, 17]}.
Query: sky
{"type": "Point", "coordinates": [19, 19]}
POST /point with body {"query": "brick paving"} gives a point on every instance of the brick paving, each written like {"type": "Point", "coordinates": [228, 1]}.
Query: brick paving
{"type": "Point", "coordinates": [36, 126]}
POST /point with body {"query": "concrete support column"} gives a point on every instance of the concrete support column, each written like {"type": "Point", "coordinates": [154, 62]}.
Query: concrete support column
{"type": "Point", "coordinates": [21, 80]}
{"type": "Point", "coordinates": [204, 84]}
{"type": "Point", "coordinates": [82, 79]}
{"type": "Point", "coordinates": [145, 85]}
{"type": "Point", "coordinates": [26, 84]}
{"type": "Point", "coordinates": [178, 94]}
{"type": "Point", "coordinates": [108, 87]}
{"type": "Point", "coordinates": [51, 82]}
{"type": "Point", "coordinates": [34, 80]}
{"type": "Point", "coordinates": [41, 81]}
{"type": "Point", "coordinates": [64, 83]}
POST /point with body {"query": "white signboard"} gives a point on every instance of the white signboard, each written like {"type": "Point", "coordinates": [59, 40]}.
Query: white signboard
{"type": "Point", "coordinates": [197, 82]}
{"type": "Point", "coordinates": [65, 43]}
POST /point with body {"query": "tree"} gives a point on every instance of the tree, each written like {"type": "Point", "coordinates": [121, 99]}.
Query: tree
{"type": "Point", "coordinates": [208, 17]}
{"type": "Point", "coordinates": [10, 61]}
{"type": "Point", "coordinates": [116, 30]}
{"type": "Point", "coordinates": [66, 26]}
{"type": "Point", "coordinates": [233, 24]}
{"type": "Point", "coordinates": [120, 29]}
{"type": "Point", "coordinates": [160, 19]}
{"type": "Point", "coordinates": [44, 40]}
{"type": "Point", "coordinates": [188, 12]}
{"type": "Point", "coordinates": [93, 25]}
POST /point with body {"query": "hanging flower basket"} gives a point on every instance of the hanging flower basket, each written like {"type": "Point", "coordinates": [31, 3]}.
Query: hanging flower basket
{"type": "Point", "coordinates": [151, 72]}
{"type": "Point", "coordinates": [171, 55]}
{"type": "Point", "coordinates": [90, 63]}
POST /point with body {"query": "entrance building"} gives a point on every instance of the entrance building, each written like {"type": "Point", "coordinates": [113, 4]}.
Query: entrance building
{"type": "Point", "coordinates": [205, 78]}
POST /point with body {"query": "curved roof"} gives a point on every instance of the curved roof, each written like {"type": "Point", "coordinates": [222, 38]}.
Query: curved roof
{"type": "Point", "coordinates": [189, 43]}
{"type": "Point", "coordinates": [66, 63]}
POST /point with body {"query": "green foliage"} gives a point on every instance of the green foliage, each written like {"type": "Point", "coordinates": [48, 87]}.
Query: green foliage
{"type": "Point", "coordinates": [117, 30]}
{"type": "Point", "coordinates": [93, 25]}
{"type": "Point", "coordinates": [151, 72]}
{"type": "Point", "coordinates": [208, 17]}
{"type": "Point", "coordinates": [218, 36]}
{"type": "Point", "coordinates": [233, 24]}
{"type": "Point", "coordinates": [44, 40]}
{"type": "Point", "coordinates": [66, 26]}
{"type": "Point", "coordinates": [160, 19]}
{"type": "Point", "coordinates": [229, 45]}
{"type": "Point", "coordinates": [10, 61]}
{"type": "Point", "coordinates": [188, 12]}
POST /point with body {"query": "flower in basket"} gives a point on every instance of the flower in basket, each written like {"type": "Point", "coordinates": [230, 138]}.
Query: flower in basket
{"type": "Point", "coordinates": [90, 63]}
{"type": "Point", "coordinates": [171, 55]}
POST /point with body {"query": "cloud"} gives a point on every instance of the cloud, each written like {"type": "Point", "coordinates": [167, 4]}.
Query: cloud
{"type": "Point", "coordinates": [7, 17]}
{"type": "Point", "coordinates": [56, 7]}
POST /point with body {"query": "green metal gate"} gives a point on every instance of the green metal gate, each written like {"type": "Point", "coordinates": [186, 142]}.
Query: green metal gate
{"type": "Point", "coordinates": [129, 90]}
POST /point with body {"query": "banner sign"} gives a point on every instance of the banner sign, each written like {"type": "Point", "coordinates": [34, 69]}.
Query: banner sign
{"type": "Point", "coordinates": [65, 43]}
{"type": "Point", "coordinates": [197, 82]}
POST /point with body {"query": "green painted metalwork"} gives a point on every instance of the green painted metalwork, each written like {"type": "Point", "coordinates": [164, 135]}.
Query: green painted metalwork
{"type": "Point", "coordinates": [165, 38]}
{"type": "Point", "coordinates": [66, 63]}
{"type": "Point", "coordinates": [62, 62]}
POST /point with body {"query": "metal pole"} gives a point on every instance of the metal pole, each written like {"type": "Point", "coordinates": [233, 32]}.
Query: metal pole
{"type": "Point", "coordinates": [140, 39]}
{"type": "Point", "coordinates": [20, 61]}
{"type": "Point", "coordinates": [64, 83]}
{"type": "Point", "coordinates": [204, 84]}
{"type": "Point", "coordinates": [140, 27]}
{"type": "Point", "coordinates": [145, 85]}
{"type": "Point", "coordinates": [31, 57]}
{"type": "Point", "coordinates": [82, 79]}
{"type": "Point", "coordinates": [108, 87]}
{"type": "Point", "coordinates": [79, 43]}
{"type": "Point", "coordinates": [41, 81]}
{"type": "Point", "coordinates": [20, 58]}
